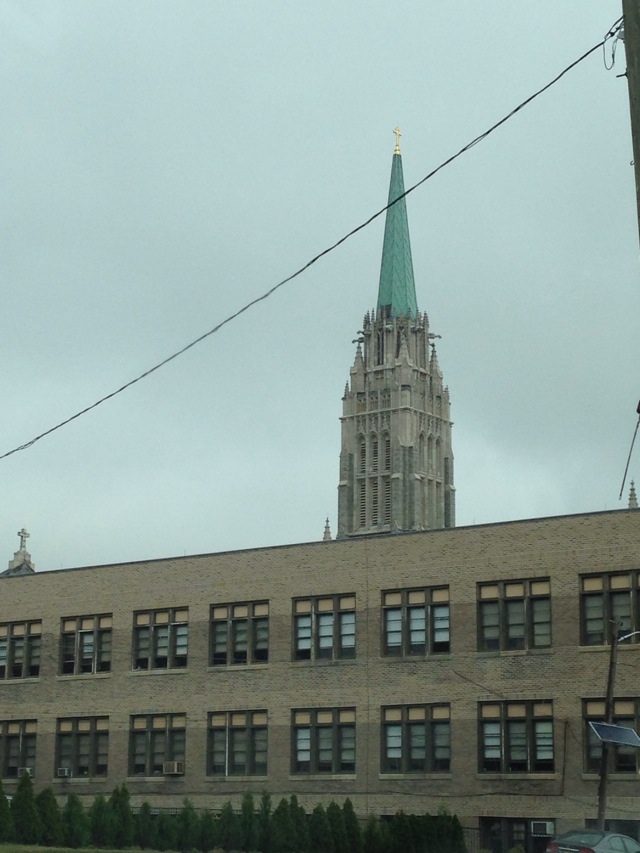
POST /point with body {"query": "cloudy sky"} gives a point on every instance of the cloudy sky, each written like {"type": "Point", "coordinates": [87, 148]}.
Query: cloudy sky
{"type": "Point", "coordinates": [163, 163]}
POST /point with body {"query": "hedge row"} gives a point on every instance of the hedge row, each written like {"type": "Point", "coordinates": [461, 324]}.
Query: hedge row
{"type": "Point", "coordinates": [287, 828]}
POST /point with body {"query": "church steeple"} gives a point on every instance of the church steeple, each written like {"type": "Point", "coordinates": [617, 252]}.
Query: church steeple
{"type": "Point", "coordinates": [396, 462]}
{"type": "Point", "coordinates": [397, 288]}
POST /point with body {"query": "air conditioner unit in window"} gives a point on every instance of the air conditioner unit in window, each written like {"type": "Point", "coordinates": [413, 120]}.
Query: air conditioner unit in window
{"type": "Point", "coordinates": [546, 828]}
{"type": "Point", "coordinates": [64, 772]}
{"type": "Point", "coordinates": [173, 768]}
{"type": "Point", "coordinates": [23, 770]}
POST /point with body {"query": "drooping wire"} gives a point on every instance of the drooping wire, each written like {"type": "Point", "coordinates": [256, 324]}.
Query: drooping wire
{"type": "Point", "coordinates": [617, 30]}
{"type": "Point", "coordinates": [316, 258]}
{"type": "Point", "coordinates": [633, 441]}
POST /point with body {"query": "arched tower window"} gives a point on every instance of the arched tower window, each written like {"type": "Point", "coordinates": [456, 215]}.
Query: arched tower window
{"type": "Point", "coordinates": [421, 461]}
{"type": "Point", "coordinates": [374, 502]}
{"type": "Point", "coordinates": [380, 346]}
{"type": "Point", "coordinates": [362, 455]}
{"type": "Point", "coordinates": [386, 450]}
{"type": "Point", "coordinates": [386, 507]}
{"type": "Point", "coordinates": [374, 453]}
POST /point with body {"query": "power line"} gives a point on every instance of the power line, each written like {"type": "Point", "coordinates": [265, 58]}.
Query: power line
{"type": "Point", "coordinates": [317, 257]}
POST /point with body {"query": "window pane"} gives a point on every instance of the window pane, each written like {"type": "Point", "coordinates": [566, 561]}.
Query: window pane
{"type": "Point", "coordinates": [143, 640]}
{"type": "Point", "coordinates": [303, 637]}
{"type": "Point", "coordinates": [417, 629]}
{"type": "Point", "coordinates": [491, 746]}
{"type": "Point", "coordinates": [86, 651]}
{"type": "Point", "coordinates": [181, 634]}
{"type": "Point", "coordinates": [593, 619]}
{"type": "Point", "coordinates": [347, 747]}
{"type": "Point", "coordinates": [490, 625]}
{"type": "Point", "coordinates": [347, 634]}
{"type": "Point", "coordinates": [541, 617]}
{"type": "Point", "coordinates": [218, 751]}
{"type": "Point", "coordinates": [240, 640]}
{"type": "Point", "coordinates": [440, 617]}
{"type": "Point", "coordinates": [158, 751]}
{"type": "Point", "coordinates": [303, 749]}
{"type": "Point", "coordinates": [17, 644]}
{"type": "Point", "coordinates": [393, 748]}
{"type": "Point", "coordinates": [515, 624]}
{"type": "Point", "coordinates": [219, 642]}
{"type": "Point", "coordinates": [621, 609]}
{"type": "Point", "coordinates": [139, 753]}
{"type": "Point", "coordinates": [441, 734]}
{"type": "Point", "coordinates": [393, 631]}
{"type": "Point", "coordinates": [517, 746]}
{"type": "Point", "coordinates": [543, 732]}
{"type": "Point", "coordinates": [325, 749]}
{"type": "Point", "coordinates": [325, 635]}
{"type": "Point", "coordinates": [104, 651]}
{"type": "Point", "coordinates": [261, 635]}
{"type": "Point", "coordinates": [33, 663]}
{"type": "Point", "coordinates": [417, 746]}
{"type": "Point", "coordinates": [161, 639]}
{"type": "Point", "coordinates": [260, 751]}
{"type": "Point", "coordinates": [238, 749]}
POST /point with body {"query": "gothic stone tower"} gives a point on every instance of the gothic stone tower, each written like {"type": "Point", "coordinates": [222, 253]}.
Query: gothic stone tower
{"type": "Point", "coordinates": [396, 462]}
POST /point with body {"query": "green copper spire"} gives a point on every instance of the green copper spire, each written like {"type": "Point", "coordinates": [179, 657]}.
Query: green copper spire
{"type": "Point", "coordinates": [397, 289]}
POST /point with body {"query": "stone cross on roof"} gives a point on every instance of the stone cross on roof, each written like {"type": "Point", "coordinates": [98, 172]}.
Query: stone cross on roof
{"type": "Point", "coordinates": [23, 539]}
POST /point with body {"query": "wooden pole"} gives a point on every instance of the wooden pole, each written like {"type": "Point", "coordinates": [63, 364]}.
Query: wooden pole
{"type": "Point", "coordinates": [631, 12]}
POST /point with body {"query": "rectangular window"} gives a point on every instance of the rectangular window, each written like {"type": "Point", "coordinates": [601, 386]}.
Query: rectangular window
{"type": "Point", "coordinates": [415, 622]}
{"type": "Point", "coordinates": [237, 743]}
{"type": "Point", "coordinates": [17, 747]}
{"type": "Point", "coordinates": [20, 649]}
{"type": "Point", "coordinates": [514, 615]}
{"type": "Point", "coordinates": [85, 644]}
{"type": "Point", "coordinates": [416, 739]}
{"type": "Point", "coordinates": [624, 759]}
{"type": "Point", "coordinates": [82, 746]}
{"type": "Point", "coordinates": [160, 638]}
{"type": "Point", "coordinates": [157, 745]}
{"type": "Point", "coordinates": [239, 633]}
{"type": "Point", "coordinates": [609, 603]}
{"type": "Point", "coordinates": [324, 627]}
{"type": "Point", "coordinates": [324, 741]}
{"type": "Point", "coordinates": [516, 737]}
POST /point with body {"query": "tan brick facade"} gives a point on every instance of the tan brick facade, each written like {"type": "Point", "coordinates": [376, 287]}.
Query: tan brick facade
{"type": "Point", "coordinates": [316, 593]}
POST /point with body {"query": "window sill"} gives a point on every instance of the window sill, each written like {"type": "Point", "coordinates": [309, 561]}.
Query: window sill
{"type": "Point", "coordinates": [607, 646]}
{"type": "Point", "coordinates": [236, 667]}
{"type": "Point", "coordinates": [19, 679]}
{"type": "Point", "coordinates": [173, 671]}
{"type": "Point", "coordinates": [547, 650]}
{"type": "Point", "coordinates": [159, 777]}
{"type": "Point", "coordinates": [319, 776]}
{"type": "Point", "coordinates": [432, 656]}
{"type": "Point", "coordinates": [221, 778]}
{"type": "Point", "coordinates": [510, 776]}
{"type": "Point", "coordinates": [79, 675]}
{"type": "Point", "coordinates": [324, 662]}
{"type": "Point", "coordinates": [78, 780]}
{"type": "Point", "coordinates": [412, 776]}
{"type": "Point", "coordinates": [631, 776]}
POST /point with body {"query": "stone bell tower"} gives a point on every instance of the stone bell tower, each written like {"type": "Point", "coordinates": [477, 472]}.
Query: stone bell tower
{"type": "Point", "coordinates": [396, 461]}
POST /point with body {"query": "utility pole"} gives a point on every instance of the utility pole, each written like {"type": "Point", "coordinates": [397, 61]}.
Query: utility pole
{"type": "Point", "coordinates": [608, 718]}
{"type": "Point", "coordinates": [631, 13]}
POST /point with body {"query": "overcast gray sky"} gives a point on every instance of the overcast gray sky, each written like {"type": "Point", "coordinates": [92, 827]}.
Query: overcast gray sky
{"type": "Point", "coordinates": [165, 162]}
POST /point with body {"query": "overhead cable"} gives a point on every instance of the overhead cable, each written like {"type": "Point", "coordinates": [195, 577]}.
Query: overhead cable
{"type": "Point", "coordinates": [316, 258]}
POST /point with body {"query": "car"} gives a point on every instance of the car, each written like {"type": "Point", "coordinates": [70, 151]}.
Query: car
{"type": "Point", "coordinates": [592, 841]}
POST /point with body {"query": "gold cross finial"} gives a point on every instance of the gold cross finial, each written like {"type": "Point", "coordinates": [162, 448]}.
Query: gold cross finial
{"type": "Point", "coordinates": [396, 150]}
